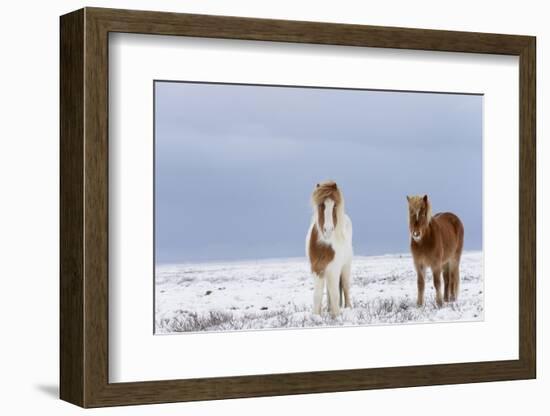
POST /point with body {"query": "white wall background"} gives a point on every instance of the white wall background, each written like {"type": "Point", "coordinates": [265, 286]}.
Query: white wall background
{"type": "Point", "coordinates": [29, 207]}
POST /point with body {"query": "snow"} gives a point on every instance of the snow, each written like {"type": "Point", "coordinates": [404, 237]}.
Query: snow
{"type": "Point", "coordinates": [278, 293]}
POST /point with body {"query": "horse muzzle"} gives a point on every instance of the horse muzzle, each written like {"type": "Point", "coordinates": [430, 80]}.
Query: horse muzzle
{"type": "Point", "coordinates": [327, 232]}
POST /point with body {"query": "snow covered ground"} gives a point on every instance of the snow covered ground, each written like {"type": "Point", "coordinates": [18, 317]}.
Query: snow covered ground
{"type": "Point", "coordinates": [278, 293]}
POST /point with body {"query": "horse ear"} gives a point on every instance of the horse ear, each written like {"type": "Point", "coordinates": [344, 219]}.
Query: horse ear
{"type": "Point", "coordinates": [425, 198]}
{"type": "Point", "coordinates": [318, 185]}
{"type": "Point", "coordinates": [408, 198]}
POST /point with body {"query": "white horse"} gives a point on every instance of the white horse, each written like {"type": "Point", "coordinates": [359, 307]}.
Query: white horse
{"type": "Point", "coordinates": [329, 248]}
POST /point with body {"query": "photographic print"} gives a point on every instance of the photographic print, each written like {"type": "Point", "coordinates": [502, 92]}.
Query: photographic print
{"type": "Point", "coordinates": [280, 207]}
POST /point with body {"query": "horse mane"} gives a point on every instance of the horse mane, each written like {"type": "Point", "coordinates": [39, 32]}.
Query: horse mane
{"type": "Point", "coordinates": [417, 201]}
{"type": "Point", "coordinates": [327, 189]}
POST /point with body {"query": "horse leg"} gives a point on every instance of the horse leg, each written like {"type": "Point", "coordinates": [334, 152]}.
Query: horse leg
{"type": "Point", "coordinates": [333, 289]}
{"type": "Point", "coordinates": [319, 282]}
{"type": "Point", "coordinates": [436, 271]}
{"type": "Point", "coordinates": [447, 282]}
{"type": "Point", "coordinates": [420, 282]}
{"type": "Point", "coordinates": [455, 279]}
{"type": "Point", "coordinates": [345, 283]}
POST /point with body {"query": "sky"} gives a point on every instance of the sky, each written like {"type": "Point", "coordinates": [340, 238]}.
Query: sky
{"type": "Point", "coordinates": [235, 166]}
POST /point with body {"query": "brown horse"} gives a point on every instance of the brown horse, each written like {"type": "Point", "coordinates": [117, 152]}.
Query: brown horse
{"type": "Point", "coordinates": [436, 242]}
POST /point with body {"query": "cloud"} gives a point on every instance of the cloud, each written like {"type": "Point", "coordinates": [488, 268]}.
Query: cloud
{"type": "Point", "coordinates": [235, 165]}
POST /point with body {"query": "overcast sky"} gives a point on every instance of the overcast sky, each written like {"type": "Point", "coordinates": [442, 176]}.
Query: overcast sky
{"type": "Point", "coordinates": [235, 166]}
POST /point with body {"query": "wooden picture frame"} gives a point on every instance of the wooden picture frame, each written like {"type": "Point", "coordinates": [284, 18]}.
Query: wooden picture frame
{"type": "Point", "coordinates": [84, 207]}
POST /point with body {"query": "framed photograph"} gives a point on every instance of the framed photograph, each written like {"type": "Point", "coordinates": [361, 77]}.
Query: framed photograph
{"type": "Point", "coordinates": [254, 207]}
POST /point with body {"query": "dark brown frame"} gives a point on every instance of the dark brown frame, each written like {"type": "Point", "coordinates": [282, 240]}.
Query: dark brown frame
{"type": "Point", "coordinates": [84, 207]}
